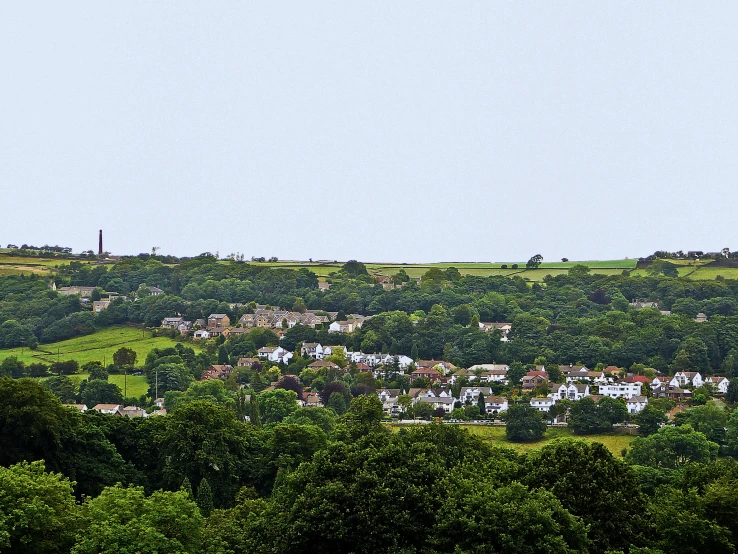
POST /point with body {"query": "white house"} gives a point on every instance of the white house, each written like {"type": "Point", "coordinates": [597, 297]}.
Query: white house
{"type": "Point", "coordinates": [471, 394]}
{"type": "Point", "coordinates": [542, 404]}
{"type": "Point", "coordinates": [445, 402]}
{"type": "Point", "coordinates": [621, 389]}
{"type": "Point", "coordinates": [495, 404]}
{"type": "Point", "coordinates": [720, 384]}
{"type": "Point", "coordinates": [330, 350]}
{"type": "Point", "coordinates": [312, 349]}
{"type": "Point", "coordinates": [470, 376]}
{"type": "Point", "coordinates": [275, 354]}
{"type": "Point", "coordinates": [111, 409]}
{"type": "Point", "coordinates": [389, 397]}
{"type": "Point", "coordinates": [636, 403]}
{"type": "Point", "coordinates": [202, 334]}
{"type": "Point", "coordinates": [570, 391]}
{"type": "Point", "coordinates": [686, 378]}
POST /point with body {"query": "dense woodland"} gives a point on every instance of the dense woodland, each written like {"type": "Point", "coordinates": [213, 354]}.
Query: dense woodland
{"type": "Point", "coordinates": [202, 479]}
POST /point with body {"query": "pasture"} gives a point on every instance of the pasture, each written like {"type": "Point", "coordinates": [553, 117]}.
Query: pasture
{"type": "Point", "coordinates": [98, 346]}
{"type": "Point", "coordinates": [495, 434]}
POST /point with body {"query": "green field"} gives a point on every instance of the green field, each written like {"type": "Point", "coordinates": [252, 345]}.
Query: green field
{"type": "Point", "coordinates": [99, 346]}
{"type": "Point", "coordinates": [495, 434]}
{"type": "Point", "coordinates": [135, 385]}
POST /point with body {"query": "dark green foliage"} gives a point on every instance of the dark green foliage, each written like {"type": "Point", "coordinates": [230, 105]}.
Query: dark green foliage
{"type": "Point", "coordinates": [592, 484]}
{"type": "Point", "coordinates": [204, 497]}
{"type": "Point", "coordinates": [524, 423]}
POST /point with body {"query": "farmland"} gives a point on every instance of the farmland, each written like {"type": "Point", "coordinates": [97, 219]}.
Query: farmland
{"type": "Point", "coordinates": [98, 346]}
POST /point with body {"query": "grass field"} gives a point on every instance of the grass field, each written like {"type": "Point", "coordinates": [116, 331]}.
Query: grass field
{"type": "Point", "coordinates": [135, 385]}
{"type": "Point", "coordinates": [99, 346]}
{"type": "Point", "coordinates": [496, 435]}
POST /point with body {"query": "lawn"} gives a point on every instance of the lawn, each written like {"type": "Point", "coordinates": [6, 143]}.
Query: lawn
{"type": "Point", "coordinates": [495, 434]}
{"type": "Point", "coordinates": [135, 385]}
{"type": "Point", "coordinates": [98, 346]}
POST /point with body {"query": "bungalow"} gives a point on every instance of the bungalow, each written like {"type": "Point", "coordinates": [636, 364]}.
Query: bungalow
{"type": "Point", "coordinates": [111, 409]}
{"type": "Point", "coordinates": [134, 411]}
{"type": "Point", "coordinates": [495, 404]}
{"type": "Point", "coordinates": [440, 365]}
{"type": "Point", "coordinates": [81, 407]}
{"type": "Point", "coordinates": [202, 334]}
{"type": "Point", "coordinates": [218, 321]}
{"type": "Point", "coordinates": [701, 318]}
{"type": "Point", "coordinates": [676, 393]}
{"type": "Point", "coordinates": [320, 364]}
{"type": "Point", "coordinates": [488, 327]}
{"type": "Point", "coordinates": [247, 362]}
{"type": "Point", "coordinates": [636, 403]}
{"type": "Point", "coordinates": [156, 291]}
{"type": "Point", "coordinates": [621, 389]}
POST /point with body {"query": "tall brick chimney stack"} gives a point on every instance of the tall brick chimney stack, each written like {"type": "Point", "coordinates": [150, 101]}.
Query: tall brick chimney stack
{"type": "Point", "coordinates": [100, 250]}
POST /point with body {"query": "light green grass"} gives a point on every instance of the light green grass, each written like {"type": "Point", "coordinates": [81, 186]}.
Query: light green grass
{"type": "Point", "coordinates": [495, 434]}
{"type": "Point", "coordinates": [134, 385]}
{"type": "Point", "coordinates": [98, 346]}
{"type": "Point", "coordinates": [710, 273]}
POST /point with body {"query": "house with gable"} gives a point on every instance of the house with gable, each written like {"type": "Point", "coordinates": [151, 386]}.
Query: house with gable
{"type": "Point", "coordinates": [312, 350]}
{"type": "Point", "coordinates": [570, 391]}
{"type": "Point", "coordinates": [533, 379]}
{"type": "Point", "coordinates": [495, 404]}
{"type": "Point", "coordinates": [719, 384]}
{"type": "Point", "coordinates": [636, 403]}
{"type": "Point", "coordinates": [471, 394]}
{"type": "Point", "coordinates": [218, 321]}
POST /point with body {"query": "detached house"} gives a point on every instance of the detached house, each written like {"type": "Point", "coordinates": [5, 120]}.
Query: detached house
{"type": "Point", "coordinates": [275, 354]}
{"type": "Point", "coordinates": [621, 389]}
{"type": "Point", "coordinates": [110, 409]}
{"type": "Point", "coordinates": [687, 378]}
{"type": "Point", "coordinates": [495, 404]}
{"type": "Point", "coordinates": [533, 379]}
{"type": "Point", "coordinates": [218, 321]}
{"type": "Point", "coordinates": [542, 404]}
{"type": "Point", "coordinates": [471, 394]}
{"type": "Point", "coordinates": [570, 391]}
{"type": "Point", "coordinates": [720, 384]}
{"type": "Point", "coordinates": [312, 350]}
{"type": "Point", "coordinates": [636, 403]}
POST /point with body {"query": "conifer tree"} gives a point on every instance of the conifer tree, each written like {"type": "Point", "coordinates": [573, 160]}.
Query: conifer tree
{"type": "Point", "coordinates": [204, 498]}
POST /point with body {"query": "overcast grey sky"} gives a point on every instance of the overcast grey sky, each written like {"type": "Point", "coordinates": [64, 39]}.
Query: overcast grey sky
{"type": "Point", "coordinates": [382, 131]}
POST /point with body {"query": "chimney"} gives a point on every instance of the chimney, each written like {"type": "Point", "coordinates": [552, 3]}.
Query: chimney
{"type": "Point", "coordinates": [100, 250]}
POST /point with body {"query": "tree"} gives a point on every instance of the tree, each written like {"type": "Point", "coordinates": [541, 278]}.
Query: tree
{"type": "Point", "coordinates": [650, 420]}
{"type": "Point", "coordinates": [204, 498]}
{"type": "Point", "coordinates": [291, 382]}
{"type": "Point", "coordinates": [481, 517]}
{"type": "Point", "coordinates": [125, 520]}
{"type": "Point", "coordinates": [710, 419]}
{"type": "Point", "coordinates": [275, 405]}
{"type": "Point", "coordinates": [592, 484]}
{"type": "Point", "coordinates": [337, 402]}
{"type": "Point", "coordinates": [534, 262]}
{"type": "Point", "coordinates": [100, 392]}
{"type": "Point", "coordinates": [124, 357]}
{"type": "Point", "coordinates": [732, 394]}
{"type": "Point", "coordinates": [205, 440]}
{"type": "Point", "coordinates": [95, 371]}
{"type": "Point", "coordinates": [354, 269]}
{"type": "Point", "coordinates": [578, 271]}
{"type": "Point", "coordinates": [523, 423]}
{"type": "Point", "coordinates": [37, 510]}
{"type": "Point", "coordinates": [68, 367]}
{"type": "Point", "coordinates": [672, 447]}
{"type": "Point", "coordinates": [11, 367]}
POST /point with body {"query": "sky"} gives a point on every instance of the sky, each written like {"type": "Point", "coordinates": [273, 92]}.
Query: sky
{"type": "Point", "coordinates": [384, 131]}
